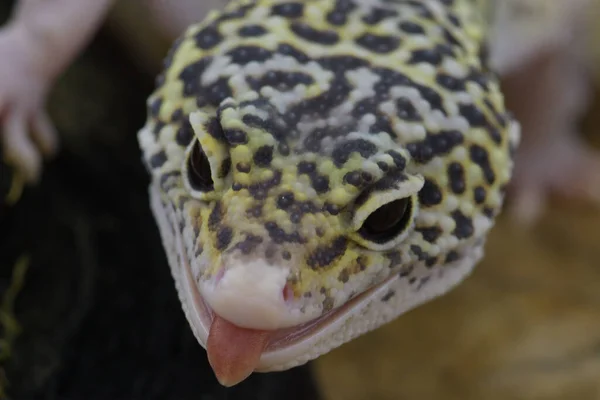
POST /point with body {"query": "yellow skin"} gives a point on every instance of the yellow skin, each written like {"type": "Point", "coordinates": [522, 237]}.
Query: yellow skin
{"type": "Point", "coordinates": [271, 147]}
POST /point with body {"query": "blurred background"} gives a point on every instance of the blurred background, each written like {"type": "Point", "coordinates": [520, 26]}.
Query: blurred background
{"type": "Point", "coordinates": [89, 310]}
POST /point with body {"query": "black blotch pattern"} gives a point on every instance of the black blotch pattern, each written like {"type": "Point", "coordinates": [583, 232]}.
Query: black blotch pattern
{"type": "Point", "coordinates": [327, 254]}
{"type": "Point", "coordinates": [479, 156]}
{"type": "Point", "coordinates": [157, 160]}
{"type": "Point", "coordinates": [288, 10]}
{"type": "Point", "coordinates": [249, 244]}
{"type": "Point", "coordinates": [342, 153]}
{"type": "Point", "coordinates": [208, 37]}
{"type": "Point", "coordinates": [435, 145]}
{"type": "Point", "coordinates": [378, 43]}
{"type": "Point", "coordinates": [456, 178]}
{"type": "Point", "coordinates": [430, 233]}
{"type": "Point", "coordinates": [263, 156]}
{"type": "Point", "coordinates": [307, 32]}
{"type": "Point", "coordinates": [224, 236]}
{"type": "Point", "coordinates": [430, 195]}
{"type": "Point", "coordinates": [252, 31]}
{"type": "Point", "coordinates": [464, 225]}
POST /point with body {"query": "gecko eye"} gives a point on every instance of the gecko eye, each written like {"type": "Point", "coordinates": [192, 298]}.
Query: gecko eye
{"type": "Point", "coordinates": [387, 221]}
{"type": "Point", "coordinates": [199, 172]}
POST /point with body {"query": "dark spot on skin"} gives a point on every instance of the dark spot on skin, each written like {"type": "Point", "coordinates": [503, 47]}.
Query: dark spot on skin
{"type": "Point", "coordinates": [255, 211]}
{"type": "Point", "coordinates": [342, 153]}
{"type": "Point", "coordinates": [307, 32]}
{"type": "Point", "coordinates": [158, 127]}
{"type": "Point", "coordinates": [235, 136]}
{"type": "Point", "coordinates": [263, 156]}
{"type": "Point", "coordinates": [184, 134]}
{"type": "Point", "coordinates": [473, 115]}
{"type": "Point", "coordinates": [431, 234]}
{"type": "Point", "coordinates": [411, 28]}
{"type": "Point", "coordinates": [306, 167]}
{"type": "Point", "coordinates": [286, 255]}
{"type": "Point", "coordinates": [259, 190]}
{"type": "Point", "coordinates": [217, 92]}
{"type": "Point", "coordinates": [412, 280]}
{"type": "Point", "coordinates": [388, 296]}
{"type": "Point", "coordinates": [319, 183]}
{"type": "Point", "coordinates": [214, 129]}
{"type": "Point", "coordinates": [379, 14]}
{"type": "Point", "coordinates": [418, 251]}
{"type": "Point", "coordinates": [249, 244]}
{"type": "Point", "coordinates": [479, 195]}
{"type": "Point", "coordinates": [236, 186]}
{"type": "Point", "coordinates": [208, 37]}
{"type": "Point", "coordinates": [406, 271]}
{"type": "Point", "coordinates": [252, 31]}
{"type": "Point", "coordinates": [177, 115]}
{"type": "Point", "coordinates": [456, 178]}
{"type": "Point", "coordinates": [328, 304]}
{"type": "Point", "coordinates": [464, 225]}
{"type": "Point", "coordinates": [224, 236]}
{"type": "Point", "coordinates": [431, 262]}
{"type": "Point", "coordinates": [288, 10]}
{"type": "Point", "coordinates": [383, 166]}
{"type": "Point", "coordinates": [430, 194]}
{"type": "Point", "coordinates": [378, 43]}
{"type": "Point", "coordinates": [157, 160]}
{"type": "Point", "coordinates": [326, 254]}
{"type": "Point", "coordinates": [236, 14]}
{"type": "Point", "coordinates": [344, 276]}
{"type": "Point", "coordinates": [155, 106]}
{"type": "Point", "coordinates": [215, 217]}
{"type": "Point", "coordinates": [435, 145]}
{"type": "Point", "coordinates": [293, 52]}
{"type": "Point", "coordinates": [489, 212]}
{"type": "Point", "coordinates": [244, 54]}
{"type": "Point", "coordinates": [279, 236]}
{"type": "Point", "coordinates": [451, 83]}
{"type": "Point", "coordinates": [320, 232]}
{"type": "Point", "coordinates": [282, 80]}
{"type": "Point", "coordinates": [332, 209]}
{"type": "Point", "coordinates": [452, 256]}
{"type": "Point", "coordinates": [406, 110]}
{"type": "Point", "coordinates": [353, 178]}
{"type": "Point", "coordinates": [479, 156]}
{"type": "Point", "coordinates": [454, 20]}
{"type": "Point", "coordinates": [339, 14]}
{"type": "Point", "coordinates": [285, 200]}
{"type": "Point", "coordinates": [451, 39]}
{"type": "Point", "coordinates": [428, 56]}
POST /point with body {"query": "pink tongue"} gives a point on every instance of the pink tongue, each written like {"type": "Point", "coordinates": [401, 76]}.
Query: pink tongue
{"type": "Point", "coordinates": [234, 352]}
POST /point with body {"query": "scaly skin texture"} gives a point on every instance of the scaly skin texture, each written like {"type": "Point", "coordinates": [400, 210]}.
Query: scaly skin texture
{"type": "Point", "coordinates": [312, 116]}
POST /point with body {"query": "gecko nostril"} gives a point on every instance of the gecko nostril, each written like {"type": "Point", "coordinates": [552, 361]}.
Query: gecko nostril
{"type": "Point", "coordinates": [288, 293]}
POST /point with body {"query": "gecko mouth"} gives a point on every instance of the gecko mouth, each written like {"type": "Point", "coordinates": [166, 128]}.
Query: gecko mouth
{"type": "Point", "coordinates": [294, 339]}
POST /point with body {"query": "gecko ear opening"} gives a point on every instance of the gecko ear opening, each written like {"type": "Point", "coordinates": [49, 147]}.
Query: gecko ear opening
{"type": "Point", "coordinates": [384, 212]}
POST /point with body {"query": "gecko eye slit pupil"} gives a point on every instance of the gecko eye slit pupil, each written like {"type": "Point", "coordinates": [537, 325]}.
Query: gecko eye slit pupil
{"type": "Point", "coordinates": [387, 221]}
{"type": "Point", "coordinates": [199, 173]}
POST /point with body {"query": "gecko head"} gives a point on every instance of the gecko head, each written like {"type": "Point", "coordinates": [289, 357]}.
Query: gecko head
{"type": "Point", "coordinates": [288, 237]}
